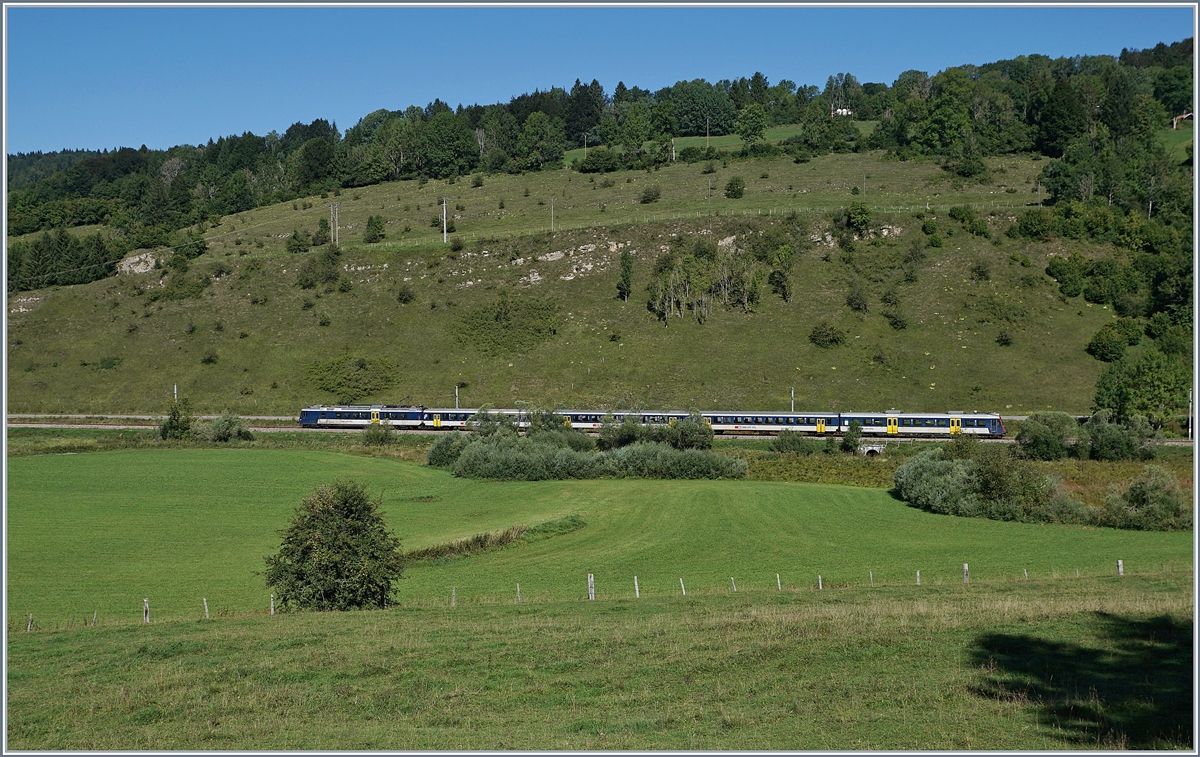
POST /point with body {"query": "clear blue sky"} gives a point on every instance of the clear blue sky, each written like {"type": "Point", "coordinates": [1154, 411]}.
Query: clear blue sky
{"type": "Point", "coordinates": [107, 77]}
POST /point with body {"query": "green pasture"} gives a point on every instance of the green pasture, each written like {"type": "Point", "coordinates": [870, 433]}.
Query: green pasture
{"type": "Point", "coordinates": [1047, 661]}
{"type": "Point", "coordinates": [98, 532]}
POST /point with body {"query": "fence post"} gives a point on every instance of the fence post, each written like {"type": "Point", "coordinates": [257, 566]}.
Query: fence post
{"type": "Point", "coordinates": [453, 596]}
{"type": "Point", "coordinates": [1120, 568]}
{"type": "Point", "coordinates": [272, 604]}
{"type": "Point", "coordinates": [682, 587]}
{"type": "Point", "coordinates": [733, 582]}
{"type": "Point", "coordinates": [966, 575]}
{"type": "Point", "coordinates": [518, 593]}
{"type": "Point", "coordinates": [637, 593]}
{"type": "Point", "coordinates": [778, 583]}
{"type": "Point", "coordinates": [591, 586]}
{"type": "Point", "coordinates": [871, 575]}
{"type": "Point", "coordinates": [820, 585]}
{"type": "Point", "coordinates": [918, 578]}
{"type": "Point", "coordinates": [29, 627]}
{"type": "Point", "coordinates": [206, 608]}
{"type": "Point", "coordinates": [146, 610]}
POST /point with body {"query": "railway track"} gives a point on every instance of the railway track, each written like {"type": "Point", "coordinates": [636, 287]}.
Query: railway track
{"type": "Point", "coordinates": [64, 421]}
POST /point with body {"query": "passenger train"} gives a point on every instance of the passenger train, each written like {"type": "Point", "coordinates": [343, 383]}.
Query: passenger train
{"type": "Point", "coordinates": [890, 423]}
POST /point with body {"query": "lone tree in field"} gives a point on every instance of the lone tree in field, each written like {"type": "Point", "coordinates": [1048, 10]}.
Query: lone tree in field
{"type": "Point", "coordinates": [337, 554]}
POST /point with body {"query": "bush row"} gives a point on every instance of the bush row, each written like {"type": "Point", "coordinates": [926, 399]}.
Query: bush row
{"type": "Point", "coordinates": [1054, 435]}
{"type": "Point", "coordinates": [549, 456]}
{"type": "Point", "coordinates": [968, 479]}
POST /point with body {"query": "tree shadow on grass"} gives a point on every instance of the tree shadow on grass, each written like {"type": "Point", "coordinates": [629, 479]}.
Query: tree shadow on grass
{"type": "Point", "coordinates": [1134, 692]}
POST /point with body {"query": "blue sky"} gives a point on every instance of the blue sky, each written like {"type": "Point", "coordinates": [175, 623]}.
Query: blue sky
{"type": "Point", "coordinates": [107, 77]}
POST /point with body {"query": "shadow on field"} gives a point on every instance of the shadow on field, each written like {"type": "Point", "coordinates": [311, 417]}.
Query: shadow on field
{"type": "Point", "coordinates": [1133, 693]}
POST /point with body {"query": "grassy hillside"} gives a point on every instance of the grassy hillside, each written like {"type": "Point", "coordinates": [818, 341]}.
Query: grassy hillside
{"type": "Point", "coordinates": [943, 665]}
{"type": "Point", "coordinates": [103, 347]}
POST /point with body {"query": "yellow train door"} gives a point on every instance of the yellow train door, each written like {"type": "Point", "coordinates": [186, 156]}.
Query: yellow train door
{"type": "Point", "coordinates": [375, 417]}
{"type": "Point", "coordinates": [437, 420]}
{"type": "Point", "coordinates": [893, 425]}
{"type": "Point", "coordinates": [956, 425]}
{"type": "Point", "coordinates": [820, 425]}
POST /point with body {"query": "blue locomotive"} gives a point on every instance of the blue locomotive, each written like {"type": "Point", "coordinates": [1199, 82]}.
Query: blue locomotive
{"type": "Point", "coordinates": [884, 424]}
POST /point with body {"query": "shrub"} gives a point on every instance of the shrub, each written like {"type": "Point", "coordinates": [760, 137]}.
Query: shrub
{"type": "Point", "coordinates": [374, 230]}
{"type": "Point", "coordinates": [456, 244]}
{"type": "Point", "coordinates": [1035, 223]}
{"type": "Point", "coordinates": [962, 214]}
{"type": "Point", "coordinates": [826, 335]}
{"type": "Point", "coordinates": [319, 269]}
{"type": "Point", "coordinates": [663, 461]}
{"type": "Point", "coordinates": [935, 240]}
{"type": "Point", "coordinates": [896, 321]}
{"type": "Point", "coordinates": [858, 217]}
{"type": "Point", "coordinates": [445, 451]}
{"type": "Point", "coordinates": [857, 300]}
{"type": "Point", "coordinates": [1152, 502]}
{"type": "Point", "coordinates": [351, 377]}
{"type": "Point", "coordinates": [1102, 439]}
{"type": "Point", "coordinates": [1108, 344]}
{"type": "Point", "coordinates": [1004, 338]}
{"type": "Point", "coordinates": [929, 227]}
{"type": "Point", "coordinates": [1047, 435]}
{"type": "Point", "coordinates": [614, 435]}
{"type": "Point", "coordinates": [337, 553]}
{"type": "Point", "coordinates": [735, 188]}
{"type": "Point", "coordinates": [226, 428]}
{"type": "Point", "coordinates": [179, 420]}
{"type": "Point", "coordinates": [377, 435]}
{"type": "Point", "coordinates": [980, 271]}
{"type": "Point", "coordinates": [852, 437]}
{"type": "Point", "coordinates": [405, 294]}
{"type": "Point", "coordinates": [691, 433]}
{"type": "Point", "coordinates": [651, 194]}
{"type": "Point", "coordinates": [297, 242]}
{"type": "Point", "coordinates": [598, 160]}
{"type": "Point", "coordinates": [793, 441]}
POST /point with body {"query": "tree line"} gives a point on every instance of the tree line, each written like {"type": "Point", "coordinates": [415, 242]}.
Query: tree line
{"type": "Point", "coordinates": [1095, 116]}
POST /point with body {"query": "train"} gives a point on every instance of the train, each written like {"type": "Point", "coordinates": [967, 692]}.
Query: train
{"type": "Point", "coordinates": [892, 423]}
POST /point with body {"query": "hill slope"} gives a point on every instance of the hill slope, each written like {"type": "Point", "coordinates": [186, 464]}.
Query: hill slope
{"type": "Point", "coordinates": [249, 340]}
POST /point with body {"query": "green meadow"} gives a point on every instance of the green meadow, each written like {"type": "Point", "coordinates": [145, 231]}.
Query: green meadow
{"type": "Point", "coordinates": [1026, 656]}
{"type": "Point", "coordinates": [98, 532]}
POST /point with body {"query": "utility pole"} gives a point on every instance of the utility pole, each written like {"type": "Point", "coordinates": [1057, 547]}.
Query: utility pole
{"type": "Point", "coordinates": [706, 132]}
{"type": "Point", "coordinates": [1189, 413]}
{"type": "Point", "coordinates": [333, 220]}
{"type": "Point", "coordinates": [444, 200]}
{"type": "Point", "coordinates": [1189, 399]}
{"type": "Point", "coordinates": [552, 213]}
{"type": "Point", "coordinates": [672, 149]}
{"type": "Point", "coordinates": [456, 396]}
{"type": "Point", "coordinates": [793, 399]}
{"type": "Point", "coordinates": [708, 200]}
{"type": "Point", "coordinates": [585, 145]}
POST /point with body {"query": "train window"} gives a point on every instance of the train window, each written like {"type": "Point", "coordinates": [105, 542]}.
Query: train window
{"type": "Point", "coordinates": [943, 422]}
{"type": "Point", "coordinates": [906, 421]}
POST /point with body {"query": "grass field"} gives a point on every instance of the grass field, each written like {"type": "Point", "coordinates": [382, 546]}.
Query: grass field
{"type": "Point", "coordinates": [101, 531]}
{"type": "Point", "coordinates": [1006, 662]}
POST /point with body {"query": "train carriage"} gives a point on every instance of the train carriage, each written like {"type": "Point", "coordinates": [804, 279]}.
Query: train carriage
{"type": "Point", "coordinates": [891, 423]}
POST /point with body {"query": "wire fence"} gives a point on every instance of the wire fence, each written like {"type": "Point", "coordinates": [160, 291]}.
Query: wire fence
{"type": "Point", "coordinates": [617, 589]}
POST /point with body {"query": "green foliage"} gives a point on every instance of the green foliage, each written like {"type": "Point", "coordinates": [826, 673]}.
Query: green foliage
{"type": "Point", "coordinates": [377, 435]}
{"type": "Point", "coordinates": [1108, 344]}
{"type": "Point", "coordinates": [751, 123]}
{"type": "Point", "coordinates": [1047, 435]}
{"type": "Point", "coordinates": [1104, 438]}
{"type": "Point", "coordinates": [185, 287]}
{"type": "Point", "coordinates": [851, 438]}
{"type": "Point", "coordinates": [929, 227]}
{"type": "Point", "coordinates": [179, 421]}
{"type": "Point", "coordinates": [1152, 502]}
{"type": "Point", "coordinates": [298, 242]}
{"type": "Point", "coordinates": [351, 377]}
{"type": "Point", "coordinates": [228, 427]}
{"type": "Point", "coordinates": [625, 282]}
{"type": "Point", "coordinates": [445, 451]}
{"type": "Point", "coordinates": [794, 441]}
{"type": "Point", "coordinates": [651, 194]}
{"type": "Point", "coordinates": [336, 554]}
{"type": "Point", "coordinates": [1152, 384]}
{"type": "Point", "coordinates": [614, 435]}
{"type": "Point", "coordinates": [826, 335]}
{"type": "Point", "coordinates": [374, 230]}
{"type": "Point", "coordinates": [985, 480]}
{"type": "Point", "coordinates": [321, 268]}
{"type": "Point", "coordinates": [599, 160]}
{"type": "Point", "coordinates": [858, 217]}
{"type": "Point", "coordinates": [404, 294]}
{"type": "Point", "coordinates": [1035, 223]}
{"type": "Point", "coordinates": [508, 325]}
{"type": "Point", "coordinates": [735, 188]}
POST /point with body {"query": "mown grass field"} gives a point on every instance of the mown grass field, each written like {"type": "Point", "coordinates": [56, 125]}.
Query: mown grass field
{"type": "Point", "coordinates": [265, 334]}
{"type": "Point", "coordinates": [1006, 662]}
{"type": "Point", "coordinates": [101, 531]}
